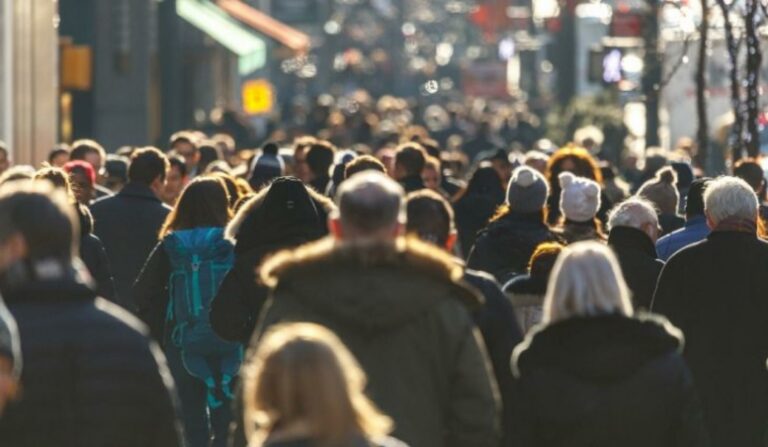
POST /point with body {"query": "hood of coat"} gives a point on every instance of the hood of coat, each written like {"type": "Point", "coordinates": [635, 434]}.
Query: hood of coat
{"type": "Point", "coordinates": [598, 349]}
{"type": "Point", "coordinates": [632, 239]}
{"type": "Point", "coordinates": [370, 286]}
{"type": "Point", "coordinates": [284, 214]}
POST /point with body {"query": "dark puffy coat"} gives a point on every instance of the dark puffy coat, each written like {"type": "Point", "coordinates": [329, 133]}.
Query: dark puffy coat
{"type": "Point", "coordinates": [501, 333]}
{"type": "Point", "coordinates": [287, 214]}
{"type": "Point", "coordinates": [128, 225]}
{"type": "Point", "coordinates": [94, 257]}
{"type": "Point", "coordinates": [605, 382]}
{"type": "Point", "coordinates": [400, 311]}
{"type": "Point", "coordinates": [639, 263]}
{"type": "Point", "coordinates": [715, 292]}
{"type": "Point", "coordinates": [91, 375]}
{"type": "Point", "coordinates": [505, 246]}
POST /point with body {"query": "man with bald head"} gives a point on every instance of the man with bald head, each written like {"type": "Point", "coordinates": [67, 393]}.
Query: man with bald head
{"type": "Point", "coordinates": [398, 306]}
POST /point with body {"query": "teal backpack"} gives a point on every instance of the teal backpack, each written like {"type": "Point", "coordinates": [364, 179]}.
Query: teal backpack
{"type": "Point", "coordinates": [200, 259]}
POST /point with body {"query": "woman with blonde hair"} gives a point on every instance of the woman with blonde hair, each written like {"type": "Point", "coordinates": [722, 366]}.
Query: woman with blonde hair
{"type": "Point", "coordinates": [593, 374]}
{"type": "Point", "coordinates": [303, 388]}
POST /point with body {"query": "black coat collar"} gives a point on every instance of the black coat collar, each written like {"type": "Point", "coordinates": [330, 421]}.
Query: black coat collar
{"type": "Point", "coordinates": [137, 190]}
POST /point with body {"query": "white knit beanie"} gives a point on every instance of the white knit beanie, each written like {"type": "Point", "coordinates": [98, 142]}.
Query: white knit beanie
{"type": "Point", "coordinates": [580, 197]}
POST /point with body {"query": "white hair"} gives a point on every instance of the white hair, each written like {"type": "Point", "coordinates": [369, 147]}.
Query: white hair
{"type": "Point", "coordinates": [730, 197]}
{"type": "Point", "coordinates": [634, 212]}
{"type": "Point", "coordinates": [586, 281]}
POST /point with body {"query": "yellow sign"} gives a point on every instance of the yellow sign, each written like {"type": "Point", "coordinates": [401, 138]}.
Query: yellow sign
{"type": "Point", "coordinates": [258, 97]}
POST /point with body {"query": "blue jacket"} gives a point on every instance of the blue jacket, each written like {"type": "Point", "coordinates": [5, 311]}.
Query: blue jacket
{"type": "Point", "coordinates": [695, 230]}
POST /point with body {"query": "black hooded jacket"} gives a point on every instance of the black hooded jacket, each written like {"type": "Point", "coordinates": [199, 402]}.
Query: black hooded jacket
{"type": "Point", "coordinates": [476, 207]}
{"type": "Point", "coordinates": [604, 382]}
{"type": "Point", "coordinates": [284, 215]}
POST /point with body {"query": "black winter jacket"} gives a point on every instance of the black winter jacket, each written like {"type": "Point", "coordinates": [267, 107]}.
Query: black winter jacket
{"type": "Point", "coordinates": [400, 311]}
{"type": "Point", "coordinates": [94, 257]}
{"type": "Point", "coordinates": [287, 214]}
{"type": "Point", "coordinates": [715, 292]}
{"type": "Point", "coordinates": [128, 225]}
{"type": "Point", "coordinates": [639, 263]}
{"type": "Point", "coordinates": [91, 377]}
{"type": "Point", "coordinates": [505, 246]}
{"type": "Point", "coordinates": [605, 381]}
{"type": "Point", "coordinates": [473, 212]}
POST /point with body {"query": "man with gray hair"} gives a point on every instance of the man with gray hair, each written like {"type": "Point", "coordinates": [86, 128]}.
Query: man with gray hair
{"type": "Point", "coordinates": [715, 291]}
{"type": "Point", "coordinates": [398, 306]}
{"type": "Point", "coordinates": [634, 229]}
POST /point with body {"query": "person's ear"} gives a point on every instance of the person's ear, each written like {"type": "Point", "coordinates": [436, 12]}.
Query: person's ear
{"type": "Point", "coordinates": [710, 223]}
{"type": "Point", "coordinates": [451, 241]}
{"type": "Point", "coordinates": [335, 228]}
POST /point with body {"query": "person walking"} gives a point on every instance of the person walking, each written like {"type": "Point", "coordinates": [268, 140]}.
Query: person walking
{"type": "Point", "coordinates": [662, 192]}
{"type": "Point", "coordinates": [714, 290]}
{"type": "Point", "coordinates": [504, 247]}
{"type": "Point", "coordinates": [476, 206]}
{"type": "Point", "coordinates": [397, 305]}
{"type": "Point", "coordinates": [634, 229]}
{"type": "Point", "coordinates": [305, 366]}
{"type": "Point", "coordinates": [174, 293]}
{"type": "Point", "coordinates": [91, 376]}
{"type": "Point", "coordinates": [283, 215]}
{"type": "Point", "coordinates": [696, 228]}
{"type": "Point", "coordinates": [128, 223]}
{"type": "Point", "coordinates": [579, 204]}
{"type": "Point", "coordinates": [594, 374]}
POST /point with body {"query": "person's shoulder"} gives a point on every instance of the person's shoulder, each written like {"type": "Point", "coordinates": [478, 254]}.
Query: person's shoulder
{"type": "Point", "coordinates": [121, 321]}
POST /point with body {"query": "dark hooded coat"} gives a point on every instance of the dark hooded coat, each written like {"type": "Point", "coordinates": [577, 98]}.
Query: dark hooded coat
{"type": "Point", "coordinates": [285, 215]}
{"type": "Point", "coordinates": [639, 264]}
{"type": "Point", "coordinates": [401, 311]}
{"type": "Point", "coordinates": [477, 205]}
{"type": "Point", "coordinates": [604, 382]}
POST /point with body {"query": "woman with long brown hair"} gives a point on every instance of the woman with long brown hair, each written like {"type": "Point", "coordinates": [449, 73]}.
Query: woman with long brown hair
{"type": "Point", "coordinates": [174, 294]}
{"type": "Point", "coordinates": [303, 388]}
{"type": "Point", "coordinates": [580, 163]}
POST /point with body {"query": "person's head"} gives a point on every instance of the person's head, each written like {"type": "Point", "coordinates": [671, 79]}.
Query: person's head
{"type": "Point", "coordinates": [363, 163]}
{"type": "Point", "coordinates": [543, 260]}
{"type": "Point", "coordinates": [300, 147]}
{"type": "Point", "coordinates": [185, 144]}
{"type": "Point", "coordinates": [17, 173]}
{"type": "Point", "coordinates": [302, 375]}
{"type": "Point", "coordinates": [500, 162]}
{"type": "Point", "coordinates": [83, 179]}
{"type": "Point", "coordinates": [751, 172]}
{"type": "Point", "coordinates": [59, 156]}
{"type": "Point", "coordinates": [662, 191]}
{"type": "Point", "coordinates": [149, 167]}
{"type": "Point", "coordinates": [430, 218]}
{"type": "Point", "coordinates": [209, 152]}
{"type": "Point", "coordinates": [58, 178]}
{"type": "Point", "coordinates": [537, 160]}
{"type": "Point", "coordinates": [580, 198]}
{"type": "Point", "coordinates": [10, 358]}
{"type": "Point", "coordinates": [5, 158]}
{"type": "Point", "coordinates": [694, 204]}
{"type": "Point", "coordinates": [203, 203]}
{"type": "Point", "coordinates": [527, 191]}
{"type": "Point", "coordinates": [175, 180]}
{"type": "Point", "coordinates": [90, 152]}
{"type": "Point", "coordinates": [410, 159]}
{"type": "Point", "coordinates": [575, 160]}
{"type": "Point", "coordinates": [320, 156]}
{"type": "Point", "coordinates": [637, 213]}
{"type": "Point", "coordinates": [233, 189]}
{"type": "Point", "coordinates": [370, 208]}
{"type": "Point", "coordinates": [586, 281]}
{"type": "Point", "coordinates": [116, 169]}
{"type": "Point", "coordinates": [266, 167]}
{"type": "Point", "coordinates": [431, 175]}
{"type": "Point", "coordinates": [37, 224]}
{"type": "Point", "coordinates": [730, 199]}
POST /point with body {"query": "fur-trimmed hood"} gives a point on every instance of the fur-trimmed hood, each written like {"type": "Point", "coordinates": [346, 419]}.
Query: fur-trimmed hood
{"type": "Point", "coordinates": [604, 348]}
{"type": "Point", "coordinates": [286, 210]}
{"type": "Point", "coordinates": [370, 285]}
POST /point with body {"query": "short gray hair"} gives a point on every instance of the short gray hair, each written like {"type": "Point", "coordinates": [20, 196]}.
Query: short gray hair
{"type": "Point", "coordinates": [730, 197]}
{"type": "Point", "coordinates": [370, 201]}
{"type": "Point", "coordinates": [633, 212]}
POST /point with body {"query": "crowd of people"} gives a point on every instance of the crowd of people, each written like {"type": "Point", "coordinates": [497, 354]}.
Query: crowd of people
{"type": "Point", "coordinates": [407, 293]}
